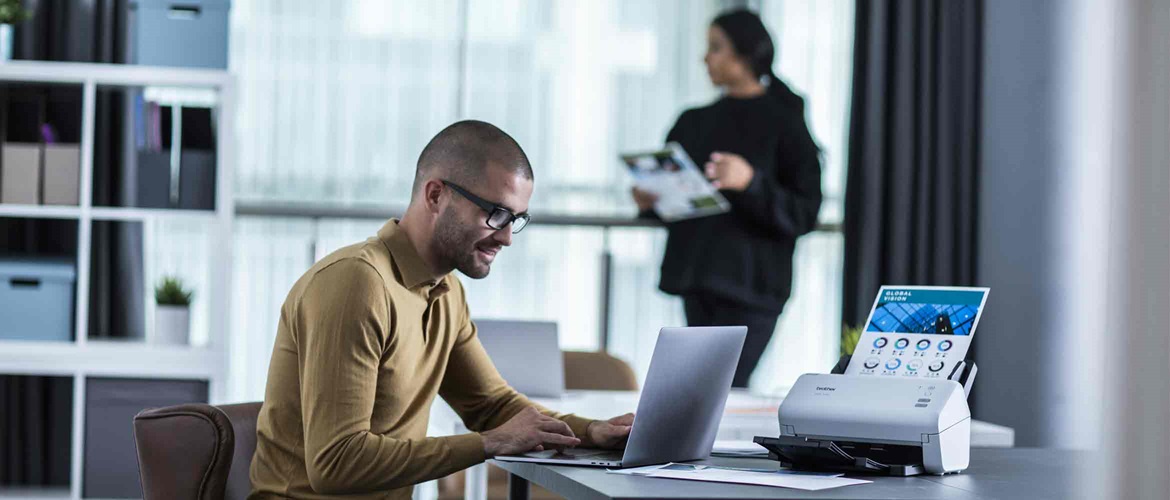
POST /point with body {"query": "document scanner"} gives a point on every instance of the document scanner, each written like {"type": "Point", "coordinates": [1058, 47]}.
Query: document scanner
{"type": "Point", "coordinates": [895, 426]}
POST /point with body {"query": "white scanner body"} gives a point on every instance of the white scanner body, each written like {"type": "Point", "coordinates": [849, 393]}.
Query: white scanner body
{"type": "Point", "coordinates": [931, 415]}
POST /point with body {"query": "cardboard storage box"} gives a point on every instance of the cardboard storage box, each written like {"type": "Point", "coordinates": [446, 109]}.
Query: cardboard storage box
{"type": "Point", "coordinates": [62, 174]}
{"type": "Point", "coordinates": [20, 173]}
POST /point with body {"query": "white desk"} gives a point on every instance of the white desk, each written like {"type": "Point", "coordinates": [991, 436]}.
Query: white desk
{"type": "Point", "coordinates": [746, 415]}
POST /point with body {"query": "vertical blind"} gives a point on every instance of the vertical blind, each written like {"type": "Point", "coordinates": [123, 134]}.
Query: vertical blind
{"type": "Point", "coordinates": [336, 99]}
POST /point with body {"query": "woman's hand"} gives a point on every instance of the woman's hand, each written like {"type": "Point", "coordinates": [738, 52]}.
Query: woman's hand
{"type": "Point", "coordinates": [729, 171]}
{"type": "Point", "coordinates": [644, 199]}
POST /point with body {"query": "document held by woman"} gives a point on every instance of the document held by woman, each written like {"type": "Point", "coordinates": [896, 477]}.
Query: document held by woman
{"type": "Point", "coordinates": [682, 191]}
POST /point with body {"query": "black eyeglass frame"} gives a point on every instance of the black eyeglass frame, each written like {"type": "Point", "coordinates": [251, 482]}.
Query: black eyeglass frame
{"type": "Point", "coordinates": [492, 209]}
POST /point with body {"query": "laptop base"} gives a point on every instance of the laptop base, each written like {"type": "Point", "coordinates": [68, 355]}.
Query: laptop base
{"type": "Point", "coordinates": [572, 456]}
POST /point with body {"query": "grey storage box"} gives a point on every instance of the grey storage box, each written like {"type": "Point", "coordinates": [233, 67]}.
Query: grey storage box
{"type": "Point", "coordinates": [62, 174]}
{"type": "Point", "coordinates": [36, 299]}
{"type": "Point", "coordinates": [110, 463]}
{"type": "Point", "coordinates": [20, 174]}
{"type": "Point", "coordinates": [188, 33]}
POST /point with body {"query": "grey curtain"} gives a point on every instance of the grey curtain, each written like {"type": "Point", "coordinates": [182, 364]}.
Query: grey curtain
{"type": "Point", "coordinates": [96, 31]}
{"type": "Point", "coordinates": [36, 412]}
{"type": "Point", "coordinates": [35, 441]}
{"type": "Point", "coordinates": [911, 192]}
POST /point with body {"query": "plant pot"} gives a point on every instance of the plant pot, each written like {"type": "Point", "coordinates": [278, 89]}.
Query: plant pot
{"type": "Point", "coordinates": [172, 325]}
{"type": "Point", "coordinates": [6, 34]}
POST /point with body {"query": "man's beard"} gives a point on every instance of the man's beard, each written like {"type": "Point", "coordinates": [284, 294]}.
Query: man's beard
{"type": "Point", "coordinates": [454, 244]}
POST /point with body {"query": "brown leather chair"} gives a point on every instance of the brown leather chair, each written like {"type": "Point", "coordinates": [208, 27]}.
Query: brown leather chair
{"type": "Point", "coordinates": [196, 451]}
{"type": "Point", "coordinates": [598, 371]}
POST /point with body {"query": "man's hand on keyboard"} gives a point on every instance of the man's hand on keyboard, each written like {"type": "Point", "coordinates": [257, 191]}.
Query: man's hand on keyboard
{"type": "Point", "coordinates": [611, 434]}
{"type": "Point", "coordinates": [529, 430]}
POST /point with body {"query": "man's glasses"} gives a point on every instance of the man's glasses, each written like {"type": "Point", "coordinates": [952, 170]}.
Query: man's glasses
{"type": "Point", "coordinates": [498, 216]}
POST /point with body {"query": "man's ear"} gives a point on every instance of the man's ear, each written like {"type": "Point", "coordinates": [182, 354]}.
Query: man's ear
{"type": "Point", "coordinates": [432, 195]}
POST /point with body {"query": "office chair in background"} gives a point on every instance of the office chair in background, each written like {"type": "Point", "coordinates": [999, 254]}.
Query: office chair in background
{"type": "Point", "coordinates": [196, 451]}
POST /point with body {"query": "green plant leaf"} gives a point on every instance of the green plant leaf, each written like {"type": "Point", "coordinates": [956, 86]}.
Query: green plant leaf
{"type": "Point", "coordinates": [12, 12]}
{"type": "Point", "coordinates": [850, 335]}
{"type": "Point", "coordinates": [170, 292]}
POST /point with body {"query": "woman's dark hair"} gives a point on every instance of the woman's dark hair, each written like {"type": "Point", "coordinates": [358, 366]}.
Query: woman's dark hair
{"type": "Point", "coordinates": [751, 40]}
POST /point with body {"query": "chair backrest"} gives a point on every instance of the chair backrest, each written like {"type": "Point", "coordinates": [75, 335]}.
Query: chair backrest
{"type": "Point", "coordinates": [191, 451]}
{"type": "Point", "coordinates": [243, 417]}
{"type": "Point", "coordinates": [598, 371]}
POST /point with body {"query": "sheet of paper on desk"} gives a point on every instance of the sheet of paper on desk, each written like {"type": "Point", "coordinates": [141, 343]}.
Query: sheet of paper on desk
{"type": "Point", "coordinates": [637, 471]}
{"type": "Point", "coordinates": [738, 449]}
{"type": "Point", "coordinates": [809, 481]}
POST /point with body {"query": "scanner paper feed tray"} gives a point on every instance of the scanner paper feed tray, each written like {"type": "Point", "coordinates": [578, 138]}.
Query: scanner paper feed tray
{"type": "Point", "coordinates": [824, 454]}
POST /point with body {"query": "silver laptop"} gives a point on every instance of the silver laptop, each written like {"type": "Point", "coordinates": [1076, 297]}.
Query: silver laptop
{"type": "Point", "coordinates": [680, 407]}
{"type": "Point", "coordinates": [527, 354]}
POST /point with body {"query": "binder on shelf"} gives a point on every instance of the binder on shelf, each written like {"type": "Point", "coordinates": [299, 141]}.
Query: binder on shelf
{"type": "Point", "coordinates": [164, 178]}
{"type": "Point", "coordinates": [197, 180]}
{"type": "Point", "coordinates": [154, 179]}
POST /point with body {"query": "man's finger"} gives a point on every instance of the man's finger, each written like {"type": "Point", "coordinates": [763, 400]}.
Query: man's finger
{"type": "Point", "coordinates": [627, 419]}
{"type": "Point", "coordinates": [552, 438]}
{"type": "Point", "coordinates": [556, 426]}
{"type": "Point", "coordinates": [617, 432]}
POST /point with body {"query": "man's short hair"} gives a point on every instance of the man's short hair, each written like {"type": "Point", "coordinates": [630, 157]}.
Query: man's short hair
{"type": "Point", "coordinates": [462, 152]}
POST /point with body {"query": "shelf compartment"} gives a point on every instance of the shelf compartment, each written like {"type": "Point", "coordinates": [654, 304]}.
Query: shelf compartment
{"type": "Point", "coordinates": [111, 462]}
{"type": "Point", "coordinates": [163, 148]}
{"type": "Point", "coordinates": [36, 429]}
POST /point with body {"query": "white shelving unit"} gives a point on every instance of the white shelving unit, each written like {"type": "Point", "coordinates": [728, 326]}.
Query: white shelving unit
{"type": "Point", "coordinates": [84, 357]}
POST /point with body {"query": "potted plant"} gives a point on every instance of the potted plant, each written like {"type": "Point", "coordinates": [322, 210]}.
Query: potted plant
{"type": "Point", "coordinates": [172, 317]}
{"type": "Point", "coordinates": [11, 12]}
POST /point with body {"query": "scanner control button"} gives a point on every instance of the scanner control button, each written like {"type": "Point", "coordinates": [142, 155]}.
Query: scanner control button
{"type": "Point", "coordinates": [901, 343]}
{"type": "Point", "coordinates": [923, 344]}
{"type": "Point", "coordinates": [893, 364]}
{"type": "Point", "coordinates": [880, 342]}
{"type": "Point", "coordinates": [937, 365]}
{"type": "Point", "coordinates": [914, 365]}
{"type": "Point", "coordinates": [872, 363]}
{"type": "Point", "coordinates": [944, 346]}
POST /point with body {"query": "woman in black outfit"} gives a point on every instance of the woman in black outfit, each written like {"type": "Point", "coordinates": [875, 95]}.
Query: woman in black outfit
{"type": "Point", "coordinates": [736, 268]}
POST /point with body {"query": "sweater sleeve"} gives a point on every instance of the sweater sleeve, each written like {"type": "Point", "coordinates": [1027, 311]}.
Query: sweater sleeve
{"type": "Point", "coordinates": [785, 198]}
{"type": "Point", "coordinates": [476, 391]}
{"type": "Point", "coordinates": [345, 324]}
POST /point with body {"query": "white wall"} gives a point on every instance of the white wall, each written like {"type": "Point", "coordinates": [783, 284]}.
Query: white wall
{"type": "Point", "coordinates": [1016, 218]}
{"type": "Point", "coordinates": [1136, 403]}
{"type": "Point", "coordinates": [1075, 236]}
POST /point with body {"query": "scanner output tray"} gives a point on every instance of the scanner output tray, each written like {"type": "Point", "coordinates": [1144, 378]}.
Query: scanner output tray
{"type": "Point", "coordinates": [843, 456]}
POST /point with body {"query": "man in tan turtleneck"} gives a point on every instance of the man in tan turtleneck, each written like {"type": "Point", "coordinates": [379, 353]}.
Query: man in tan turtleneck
{"type": "Point", "coordinates": [374, 331]}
